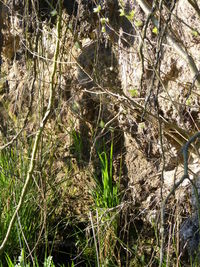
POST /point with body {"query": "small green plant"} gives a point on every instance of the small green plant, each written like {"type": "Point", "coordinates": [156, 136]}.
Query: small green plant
{"type": "Point", "coordinates": [21, 262]}
{"type": "Point", "coordinates": [97, 9]}
{"type": "Point", "coordinates": [77, 145]}
{"type": "Point", "coordinates": [107, 192]}
{"type": "Point", "coordinates": [133, 92]}
{"type": "Point", "coordinates": [195, 33]}
{"type": "Point", "coordinates": [155, 30]}
{"type": "Point", "coordinates": [138, 23]}
{"type": "Point", "coordinates": [107, 198]}
{"type": "Point", "coordinates": [129, 14]}
{"type": "Point", "coordinates": [103, 23]}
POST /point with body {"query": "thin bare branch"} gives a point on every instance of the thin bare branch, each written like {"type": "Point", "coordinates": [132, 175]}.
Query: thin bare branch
{"type": "Point", "coordinates": [173, 42]}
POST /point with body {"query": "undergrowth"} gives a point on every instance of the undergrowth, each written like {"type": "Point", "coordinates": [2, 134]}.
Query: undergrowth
{"type": "Point", "coordinates": [13, 166]}
{"type": "Point", "coordinates": [23, 262]}
{"type": "Point", "coordinates": [76, 211]}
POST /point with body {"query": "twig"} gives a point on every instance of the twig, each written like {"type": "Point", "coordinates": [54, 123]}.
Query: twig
{"type": "Point", "coordinates": [95, 241]}
{"type": "Point", "coordinates": [173, 42]}
{"type": "Point", "coordinates": [176, 185]}
{"type": "Point", "coordinates": [194, 4]}
{"type": "Point", "coordinates": [101, 133]}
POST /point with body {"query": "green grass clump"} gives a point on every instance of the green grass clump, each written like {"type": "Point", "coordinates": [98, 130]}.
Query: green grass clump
{"type": "Point", "coordinates": [106, 192]}
{"type": "Point", "coordinates": [105, 218]}
{"type": "Point", "coordinates": [12, 172]}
